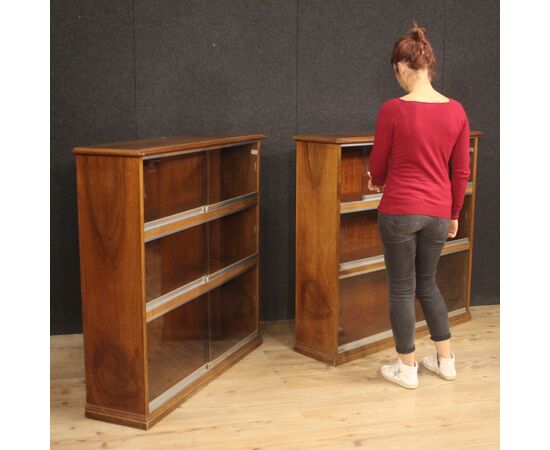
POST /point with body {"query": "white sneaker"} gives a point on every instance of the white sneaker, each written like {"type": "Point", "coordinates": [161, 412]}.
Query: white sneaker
{"type": "Point", "coordinates": [444, 367]}
{"type": "Point", "coordinates": [402, 374]}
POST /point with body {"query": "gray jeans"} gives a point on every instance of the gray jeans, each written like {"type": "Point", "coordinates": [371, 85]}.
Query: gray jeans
{"type": "Point", "coordinates": [412, 245]}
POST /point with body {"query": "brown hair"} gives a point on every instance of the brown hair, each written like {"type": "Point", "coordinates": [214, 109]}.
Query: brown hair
{"type": "Point", "coordinates": [415, 50]}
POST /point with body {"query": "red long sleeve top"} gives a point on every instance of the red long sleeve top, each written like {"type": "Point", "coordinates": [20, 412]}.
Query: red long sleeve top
{"type": "Point", "coordinates": [422, 154]}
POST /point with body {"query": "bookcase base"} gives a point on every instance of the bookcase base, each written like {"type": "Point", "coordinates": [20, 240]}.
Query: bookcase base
{"type": "Point", "coordinates": [373, 346]}
{"type": "Point", "coordinates": [315, 354]}
{"type": "Point", "coordinates": [146, 422]}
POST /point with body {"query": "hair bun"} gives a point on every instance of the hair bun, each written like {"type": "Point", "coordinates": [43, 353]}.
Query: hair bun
{"type": "Point", "coordinates": [418, 33]}
{"type": "Point", "coordinates": [414, 50]}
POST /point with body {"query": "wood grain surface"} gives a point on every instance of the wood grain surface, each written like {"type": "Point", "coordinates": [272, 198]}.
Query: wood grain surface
{"type": "Point", "coordinates": [317, 240]}
{"type": "Point", "coordinates": [111, 252]}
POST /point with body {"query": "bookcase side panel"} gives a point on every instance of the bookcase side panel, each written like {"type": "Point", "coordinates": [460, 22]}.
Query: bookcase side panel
{"type": "Point", "coordinates": [258, 234]}
{"type": "Point", "coordinates": [110, 220]}
{"type": "Point", "coordinates": [317, 235]}
{"type": "Point", "coordinates": [472, 206]}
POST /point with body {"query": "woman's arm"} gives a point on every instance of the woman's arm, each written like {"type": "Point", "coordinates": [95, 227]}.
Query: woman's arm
{"type": "Point", "coordinates": [378, 160]}
{"type": "Point", "coordinates": [460, 169]}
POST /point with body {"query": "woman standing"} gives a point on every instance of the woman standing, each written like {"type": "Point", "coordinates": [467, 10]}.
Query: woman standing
{"type": "Point", "coordinates": [420, 160]}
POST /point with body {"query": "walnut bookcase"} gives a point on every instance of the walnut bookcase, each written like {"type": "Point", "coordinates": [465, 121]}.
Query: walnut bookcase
{"type": "Point", "coordinates": [341, 288]}
{"type": "Point", "coordinates": [169, 241]}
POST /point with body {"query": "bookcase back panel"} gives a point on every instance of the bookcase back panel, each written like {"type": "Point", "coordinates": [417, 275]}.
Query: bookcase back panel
{"type": "Point", "coordinates": [177, 345]}
{"type": "Point", "coordinates": [232, 238]}
{"type": "Point", "coordinates": [232, 172]}
{"type": "Point", "coordinates": [233, 312]}
{"type": "Point", "coordinates": [173, 185]}
{"type": "Point", "coordinates": [174, 260]}
{"type": "Point", "coordinates": [363, 306]}
{"type": "Point", "coordinates": [359, 236]}
{"type": "Point", "coordinates": [352, 174]}
{"type": "Point", "coordinates": [354, 166]}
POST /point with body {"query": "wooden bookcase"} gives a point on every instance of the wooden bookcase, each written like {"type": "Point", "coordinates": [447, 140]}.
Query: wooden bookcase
{"type": "Point", "coordinates": [169, 241]}
{"type": "Point", "coordinates": [341, 289]}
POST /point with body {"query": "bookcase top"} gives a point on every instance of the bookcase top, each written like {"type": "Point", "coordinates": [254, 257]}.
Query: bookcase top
{"type": "Point", "coordinates": [146, 147]}
{"type": "Point", "coordinates": [349, 138]}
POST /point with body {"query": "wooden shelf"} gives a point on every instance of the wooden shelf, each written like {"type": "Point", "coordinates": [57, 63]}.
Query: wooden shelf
{"type": "Point", "coordinates": [177, 222]}
{"type": "Point", "coordinates": [372, 201]}
{"type": "Point", "coordinates": [174, 299]}
{"type": "Point", "coordinates": [375, 263]}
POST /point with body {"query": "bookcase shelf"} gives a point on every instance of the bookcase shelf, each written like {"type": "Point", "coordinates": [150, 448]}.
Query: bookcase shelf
{"type": "Point", "coordinates": [373, 263]}
{"type": "Point", "coordinates": [341, 285]}
{"type": "Point", "coordinates": [169, 245]}
{"type": "Point", "coordinates": [371, 201]}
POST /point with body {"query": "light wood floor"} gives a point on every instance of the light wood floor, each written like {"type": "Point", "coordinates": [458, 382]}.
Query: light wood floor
{"type": "Point", "coordinates": [278, 399]}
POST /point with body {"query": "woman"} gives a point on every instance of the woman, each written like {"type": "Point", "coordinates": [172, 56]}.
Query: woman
{"type": "Point", "coordinates": [420, 160]}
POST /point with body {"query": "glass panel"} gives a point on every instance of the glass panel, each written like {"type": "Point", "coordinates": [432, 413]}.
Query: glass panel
{"type": "Point", "coordinates": [174, 260]}
{"type": "Point", "coordinates": [177, 345]}
{"type": "Point", "coordinates": [354, 166]}
{"type": "Point", "coordinates": [233, 312]}
{"type": "Point", "coordinates": [363, 306]}
{"type": "Point", "coordinates": [232, 238]}
{"type": "Point", "coordinates": [353, 177]}
{"type": "Point", "coordinates": [173, 185]}
{"type": "Point", "coordinates": [359, 236]}
{"type": "Point", "coordinates": [452, 277]}
{"type": "Point", "coordinates": [364, 298]}
{"type": "Point", "coordinates": [232, 172]}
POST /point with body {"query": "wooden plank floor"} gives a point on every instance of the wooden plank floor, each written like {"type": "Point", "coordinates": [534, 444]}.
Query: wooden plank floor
{"type": "Point", "coordinates": [278, 399]}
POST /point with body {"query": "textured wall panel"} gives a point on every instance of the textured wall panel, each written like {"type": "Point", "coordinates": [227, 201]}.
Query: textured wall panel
{"type": "Point", "coordinates": [279, 67]}
{"type": "Point", "coordinates": [472, 77]}
{"type": "Point", "coordinates": [344, 73]}
{"type": "Point", "coordinates": [228, 66]}
{"type": "Point", "coordinates": [92, 101]}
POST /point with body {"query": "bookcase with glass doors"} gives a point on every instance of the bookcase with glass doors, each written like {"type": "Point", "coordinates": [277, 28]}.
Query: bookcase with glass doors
{"type": "Point", "coordinates": [169, 245]}
{"type": "Point", "coordinates": [341, 289]}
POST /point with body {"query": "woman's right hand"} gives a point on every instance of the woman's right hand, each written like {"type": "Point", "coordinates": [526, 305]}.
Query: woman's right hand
{"type": "Point", "coordinates": [372, 187]}
{"type": "Point", "coordinates": [453, 228]}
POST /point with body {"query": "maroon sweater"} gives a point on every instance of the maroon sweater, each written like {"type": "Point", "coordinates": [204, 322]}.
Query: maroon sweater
{"type": "Point", "coordinates": [422, 154]}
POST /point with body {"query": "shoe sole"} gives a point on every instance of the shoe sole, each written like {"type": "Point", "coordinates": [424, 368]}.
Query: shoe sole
{"type": "Point", "coordinates": [399, 382]}
{"type": "Point", "coordinates": [438, 373]}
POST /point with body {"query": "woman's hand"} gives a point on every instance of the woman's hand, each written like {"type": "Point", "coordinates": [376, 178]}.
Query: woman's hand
{"type": "Point", "coordinates": [453, 228]}
{"type": "Point", "coordinates": [372, 187]}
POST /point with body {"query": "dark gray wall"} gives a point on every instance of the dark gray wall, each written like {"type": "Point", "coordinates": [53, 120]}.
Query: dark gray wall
{"type": "Point", "coordinates": [135, 69]}
{"type": "Point", "coordinates": [227, 66]}
{"type": "Point", "coordinates": [92, 101]}
{"type": "Point", "coordinates": [471, 75]}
